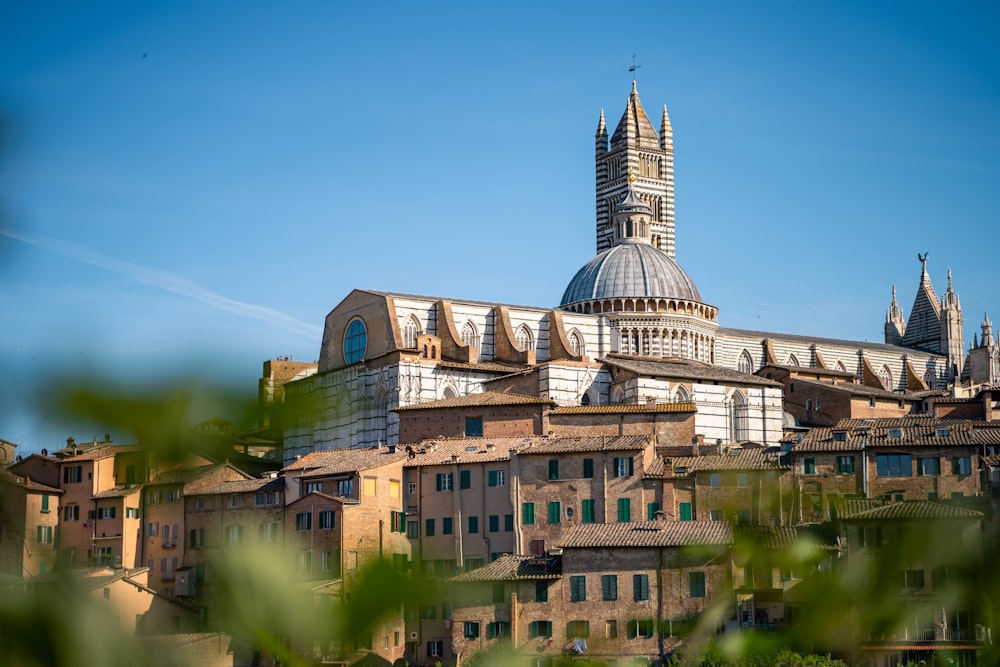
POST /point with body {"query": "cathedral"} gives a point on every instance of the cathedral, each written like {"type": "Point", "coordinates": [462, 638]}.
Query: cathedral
{"type": "Point", "coordinates": [631, 328]}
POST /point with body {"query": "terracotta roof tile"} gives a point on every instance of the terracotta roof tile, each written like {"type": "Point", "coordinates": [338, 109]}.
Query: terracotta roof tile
{"type": "Point", "coordinates": [465, 450]}
{"type": "Point", "coordinates": [690, 370]}
{"type": "Point", "coordinates": [121, 491]}
{"type": "Point", "coordinates": [485, 398]}
{"type": "Point", "coordinates": [616, 409]}
{"type": "Point", "coordinates": [735, 459]}
{"type": "Point", "coordinates": [243, 486]}
{"type": "Point", "coordinates": [335, 461]}
{"type": "Point", "coordinates": [915, 509]}
{"type": "Point", "coordinates": [852, 434]}
{"type": "Point", "coordinates": [27, 483]}
{"type": "Point", "coordinates": [515, 568]}
{"type": "Point", "coordinates": [592, 443]}
{"type": "Point", "coordinates": [648, 534]}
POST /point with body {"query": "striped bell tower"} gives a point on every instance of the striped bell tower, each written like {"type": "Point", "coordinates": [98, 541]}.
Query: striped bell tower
{"type": "Point", "coordinates": [635, 147]}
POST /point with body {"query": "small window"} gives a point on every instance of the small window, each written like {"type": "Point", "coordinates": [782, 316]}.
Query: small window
{"type": "Point", "coordinates": [928, 466]}
{"type": "Point", "coordinates": [555, 509]}
{"type": "Point", "coordinates": [541, 591]}
{"type": "Point", "coordinates": [540, 629]}
{"type": "Point", "coordinates": [609, 587]}
{"type": "Point", "coordinates": [943, 431]}
{"type": "Point", "coordinates": [470, 630]}
{"type": "Point", "coordinates": [588, 468]}
{"type": "Point", "coordinates": [715, 480]}
{"type": "Point", "coordinates": [577, 629]}
{"type": "Point", "coordinates": [640, 587]}
{"type": "Point", "coordinates": [742, 480]}
{"type": "Point", "coordinates": [624, 510]}
{"type": "Point", "coordinates": [528, 514]}
{"type": "Point", "coordinates": [840, 436]}
{"type": "Point", "coordinates": [624, 466]}
{"type": "Point", "coordinates": [587, 510]}
{"type": "Point", "coordinates": [651, 510]}
{"type": "Point", "coordinates": [497, 477]}
{"type": "Point", "coordinates": [303, 521]}
{"type": "Point", "coordinates": [577, 588]}
{"type": "Point", "coordinates": [961, 465]}
{"type": "Point", "coordinates": [553, 469]}
{"type": "Point", "coordinates": [473, 427]}
{"type": "Point", "coordinates": [494, 523]}
{"type": "Point", "coordinates": [685, 511]}
{"type": "Point", "coordinates": [845, 465]}
{"type": "Point", "coordinates": [446, 525]}
{"type": "Point", "coordinates": [895, 433]}
{"type": "Point", "coordinates": [809, 466]}
{"type": "Point", "coordinates": [473, 524]}
{"type": "Point", "coordinates": [429, 528]}
{"type": "Point", "coordinates": [464, 479]}
{"type": "Point", "coordinates": [444, 481]}
{"type": "Point", "coordinates": [696, 581]}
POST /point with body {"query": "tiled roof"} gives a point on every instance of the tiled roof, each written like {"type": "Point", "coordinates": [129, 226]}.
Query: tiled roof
{"type": "Point", "coordinates": [101, 452]}
{"type": "Point", "coordinates": [648, 534]}
{"type": "Point", "coordinates": [735, 459]}
{"type": "Point", "coordinates": [849, 506]}
{"type": "Point", "coordinates": [243, 486]}
{"type": "Point", "coordinates": [485, 398]}
{"type": "Point", "coordinates": [514, 568]}
{"type": "Point", "coordinates": [465, 450]}
{"type": "Point", "coordinates": [590, 443]}
{"type": "Point", "coordinates": [180, 475]}
{"type": "Point", "coordinates": [856, 344]}
{"type": "Point", "coordinates": [864, 390]}
{"type": "Point", "coordinates": [991, 461]}
{"type": "Point", "coordinates": [616, 409]}
{"type": "Point", "coordinates": [121, 491]}
{"type": "Point", "coordinates": [915, 509]}
{"type": "Point", "coordinates": [343, 460]}
{"type": "Point", "coordinates": [915, 432]}
{"type": "Point", "coordinates": [779, 538]}
{"type": "Point", "coordinates": [482, 366]}
{"type": "Point", "coordinates": [689, 370]}
{"type": "Point", "coordinates": [27, 483]}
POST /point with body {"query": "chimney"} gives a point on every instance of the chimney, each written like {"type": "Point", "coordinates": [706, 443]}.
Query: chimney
{"type": "Point", "coordinates": [696, 443]}
{"type": "Point", "coordinates": [491, 447]}
{"type": "Point", "coordinates": [651, 403]}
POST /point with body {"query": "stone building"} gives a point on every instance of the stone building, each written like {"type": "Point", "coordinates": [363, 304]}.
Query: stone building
{"type": "Point", "coordinates": [29, 520]}
{"type": "Point", "coordinates": [631, 327]}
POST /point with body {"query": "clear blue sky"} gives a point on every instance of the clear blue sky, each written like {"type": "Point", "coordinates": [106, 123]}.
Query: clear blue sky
{"type": "Point", "coordinates": [194, 186]}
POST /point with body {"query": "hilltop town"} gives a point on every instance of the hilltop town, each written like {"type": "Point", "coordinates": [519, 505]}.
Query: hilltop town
{"type": "Point", "coordinates": [608, 478]}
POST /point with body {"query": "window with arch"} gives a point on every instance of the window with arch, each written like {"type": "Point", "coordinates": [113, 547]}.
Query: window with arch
{"type": "Point", "coordinates": [355, 341]}
{"type": "Point", "coordinates": [525, 340]}
{"type": "Point", "coordinates": [885, 375]}
{"type": "Point", "coordinates": [682, 395]}
{"type": "Point", "coordinates": [449, 392]}
{"type": "Point", "coordinates": [745, 364]}
{"type": "Point", "coordinates": [411, 329]}
{"type": "Point", "coordinates": [841, 367]}
{"type": "Point", "coordinates": [576, 342]}
{"type": "Point", "coordinates": [585, 399]}
{"type": "Point", "coordinates": [740, 417]}
{"type": "Point", "coordinates": [793, 360]}
{"type": "Point", "coordinates": [930, 378]}
{"type": "Point", "coordinates": [469, 334]}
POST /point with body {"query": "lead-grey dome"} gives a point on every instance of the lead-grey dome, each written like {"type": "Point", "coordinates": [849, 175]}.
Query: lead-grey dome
{"type": "Point", "coordinates": [630, 270]}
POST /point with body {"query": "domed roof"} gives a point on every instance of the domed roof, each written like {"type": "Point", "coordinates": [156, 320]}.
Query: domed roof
{"type": "Point", "coordinates": [630, 270]}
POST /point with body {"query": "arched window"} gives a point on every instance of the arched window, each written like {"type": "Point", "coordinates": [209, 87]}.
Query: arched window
{"type": "Point", "coordinates": [793, 360]}
{"type": "Point", "coordinates": [841, 367]}
{"type": "Point", "coordinates": [681, 394]}
{"type": "Point", "coordinates": [380, 416]}
{"type": "Point", "coordinates": [740, 427]}
{"type": "Point", "coordinates": [411, 329]}
{"type": "Point", "coordinates": [355, 342]}
{"type": "Point", "coordinates": [525, 340]}
{"type": "Point", "coordinates": [469, 335]}
{"type": "Point", "coordinates": [930, 378]}
{"type": "Point", "coordinates": [449, 392]}
{"type": "Point", "coordinates": [585, 399]}
{"type": "Point", "coordinates": [576, 342]}
{"type": "Point", "coordinates": [885, 375]}
{"type": "Point", "coordinates": [745, 364]}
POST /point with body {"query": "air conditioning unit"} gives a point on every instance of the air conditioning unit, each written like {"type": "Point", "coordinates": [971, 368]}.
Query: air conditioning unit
{"type": "Point", "coordinates": [413, 636]}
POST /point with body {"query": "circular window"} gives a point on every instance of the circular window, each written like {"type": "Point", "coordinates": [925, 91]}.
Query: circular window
{"type": "Point", "coordinates": [355, 342]}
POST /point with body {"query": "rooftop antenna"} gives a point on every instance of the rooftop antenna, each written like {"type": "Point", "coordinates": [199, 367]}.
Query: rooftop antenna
{"type": "Point", "coordinates": [634, 67]}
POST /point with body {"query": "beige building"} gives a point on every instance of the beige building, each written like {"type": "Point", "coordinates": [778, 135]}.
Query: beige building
{"type": "Point", "coordinates": [29, 526]}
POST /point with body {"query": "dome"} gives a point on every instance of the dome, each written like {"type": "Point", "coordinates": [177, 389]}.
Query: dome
{"type": "Point", "coordinates": [630, 270]}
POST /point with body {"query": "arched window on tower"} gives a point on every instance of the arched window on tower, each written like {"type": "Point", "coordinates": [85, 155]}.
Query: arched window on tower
{"type": "Point", "coordinates": [411, 329]}
{"type": "Point", "coordinates": [740, 418]}
{"type": "Point", "coordinates": [885, 375]}
{"type": "Point", "coordinates": [576, 342]}
{"type": "Point", "coordinates": [745, 364]}
{"type": "Point", "coordinates": [525, 340]}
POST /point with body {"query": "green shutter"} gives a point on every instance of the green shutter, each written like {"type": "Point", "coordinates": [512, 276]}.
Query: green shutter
{"type": "Point", "coordinates": [555, 510]}
{"type": "Point", "coordinates": [588, 468]}
{"type": "Point", "coordinates": [465, 479]}
{"type": "Point", "coordinates": [652, 509]}
{"type": "Point", "coordinates": [493, 478]}
{"type": "Point", "coordinates": [624, 510]}
{"type": "Point", "coordinates": [45, 502]}
{"type": "Point", "coordinates": [588, 510]}
{"type": "Point", "coordinates": [685, 511]}
{"type": "Point", "coordinates": [528, 514]}
{"type": "Point", "coordinates": [554, 469]}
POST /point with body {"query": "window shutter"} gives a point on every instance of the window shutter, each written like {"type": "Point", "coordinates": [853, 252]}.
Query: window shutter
{"type": "Point", "coordinates": [493, 478]}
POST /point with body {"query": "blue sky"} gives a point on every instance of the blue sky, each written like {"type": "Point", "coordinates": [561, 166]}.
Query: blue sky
{"type": "Point", "coordinates": [192, 186]}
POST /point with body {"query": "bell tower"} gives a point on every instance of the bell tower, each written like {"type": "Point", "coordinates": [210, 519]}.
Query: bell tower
{"type": "Point", "coordinates": [636, 148]}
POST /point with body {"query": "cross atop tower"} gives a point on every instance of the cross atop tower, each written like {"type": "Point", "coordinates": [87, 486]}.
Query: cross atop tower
{"type": "Point", "coordinates": [634, 67]}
